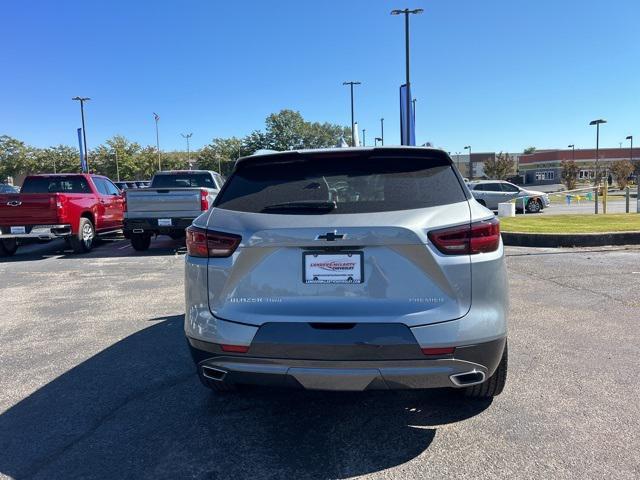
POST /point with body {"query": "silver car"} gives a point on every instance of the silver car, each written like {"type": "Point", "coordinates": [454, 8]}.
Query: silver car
{"type": "Point", "coordinates": [347, 269]}
{"type": "Point", "coordinates": [490, 193]}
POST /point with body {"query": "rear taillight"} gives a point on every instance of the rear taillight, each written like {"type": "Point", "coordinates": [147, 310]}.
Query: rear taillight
{"type": "Point", "coordinates": [438, 351]}
{"type": "Point", "coordinates": [124, 200]}
{"type": "Point", "coordinates": [235, 348]}
{"type": "Point", "coordinates": [209, 244]}
{"type": "Point", "coordinates": [478, 237]}
{"type": "Point", "coordinates": [204, 200]}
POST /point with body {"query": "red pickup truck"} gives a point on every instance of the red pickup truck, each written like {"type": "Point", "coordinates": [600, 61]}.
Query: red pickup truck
{"type": "Point", "coordinates": [76, 207]}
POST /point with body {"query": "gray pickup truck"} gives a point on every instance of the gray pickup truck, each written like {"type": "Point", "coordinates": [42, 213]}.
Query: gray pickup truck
{"type": "Point", "coordinates": [169, 205]}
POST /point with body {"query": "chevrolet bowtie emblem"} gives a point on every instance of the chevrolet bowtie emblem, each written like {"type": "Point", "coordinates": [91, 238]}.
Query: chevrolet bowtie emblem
{"type": "Point", "coordinates": [330, 236]}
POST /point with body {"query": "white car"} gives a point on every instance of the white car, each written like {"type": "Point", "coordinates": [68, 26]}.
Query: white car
{"type": "Point", "coordinates": [492, 192]}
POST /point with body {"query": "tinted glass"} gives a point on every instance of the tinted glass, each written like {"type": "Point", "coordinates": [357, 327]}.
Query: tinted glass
{"type": "Point", "coordinates": [507, 187]}
{"type": "Point", "coordinates": [183, 180]}
{"type": "Point", "coordinates": [56, 185]}
{"type": "Point", "coordinates": [356, 185]}
{"type": "Point", "coordinates": [492, 187]}
{"type": "Point", "coordinates": [479, 187]}
{"type": "Point", "coordinates": [111, 188]}
{"type": "Point", "coordinates": [101, 186]}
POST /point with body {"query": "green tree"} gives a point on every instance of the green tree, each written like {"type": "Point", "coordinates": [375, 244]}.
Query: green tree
{"type": "Point", "coordinates": [499, 167]}
{"type": "Point", "coordinates": [569, 173]}
{"type": "Point", "coordinates": [59, 159]}
{"type": "Point", "coordinates": [15, 157]}
{"type": "Point", "coordinates": [221, 153]}
{"type": "Point", "coordinates": [529, 150]}
{"type": "Point", "coordinates": [621, 170]}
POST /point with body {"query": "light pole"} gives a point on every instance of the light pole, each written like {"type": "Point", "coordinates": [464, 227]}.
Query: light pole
{"type": "Point", "coordinates": [406, 13]}
{"type": "Point", "coordinates": [117, 166]}
{"type": "Point", "coordinates": [597, 123]}
{"type": "Point", "coordinates": [458, 160]}
{"type": "Point", "coordinates": [157, 117]}
{"type": "Point", "coordinates": [468, 147]}
{"type": "Point", "coordinates": [382, 131]}
{"type": "Point", "coordinates": [84, 131]}
{"type": "Point", "coordinates": [353, 133]}
{"type": "Point", "coordinates": [637, 169]}
{"type": "Point", "coordinates": [573, 152]}
{"type": "Point", "coordinates": [414, 111]}
{"type": "Point", "coordinates": [364, 137]}
{"type": "Point", "coordinates": [188, 136]}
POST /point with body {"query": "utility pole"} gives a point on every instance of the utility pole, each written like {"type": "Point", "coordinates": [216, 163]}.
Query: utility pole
{"type": "Point", "coordinates": [382, 131]}
{"type": "Point", "coordinates": [637, 169]}
{"type": "Point", "coordinates": [468, 147]}
{"type": "Point", "coordinates": [353, 133]}
{"type": "Point", "coordinates": [188, 136]}
{"type": "Point", "coordinates": [573, 152]}
{"type": "Point", "coordinates": [84, 131]}
{"type": "Point", "coordinates": [413, 102]}
{"type": "Point", "coordinates": [364, 137]}
{"type": "Point", "coordinates": [157, 117]}
{"type": "Point", "coordinates": [406, 13]}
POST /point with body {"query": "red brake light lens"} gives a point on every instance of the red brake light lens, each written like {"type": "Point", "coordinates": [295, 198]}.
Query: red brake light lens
{"type": "Point", "coordinates": [204, 200]}
{"type": "Point", "coordinates": [478, 237]}
{"type": "Point", "coordinates": [235, 348]}
{"type": "Point", "coordinates": [209, 244]}
{"type": "Point", "coordinates": [124, 200]}
{"type": "Point", "coordinates": [438, 352]}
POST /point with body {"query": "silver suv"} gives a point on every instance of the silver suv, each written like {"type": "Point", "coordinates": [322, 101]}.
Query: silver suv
{"type": "Point", "coordinates": [347, 269]}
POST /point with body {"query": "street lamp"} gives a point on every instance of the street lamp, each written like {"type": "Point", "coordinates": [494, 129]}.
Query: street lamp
{"type": "Point", "coordinates": [414, 111]}
{"type": "Point", "coordinates": [84, 132]}
{"type": "Point", "coordinates": [573, 151]}
{"type": "Point", "coordinates": [115, 151]}
{"type": "Point", "coordinates": [157, 117]}
{"type": "Point", "coordinates": [382, 131]}
{"type": "Point", "coordinates": [364, 137]}
{"type": "Point", "coordinates": [637, 169]}
{"type": "Point", "coordinates": [376, 140]}
{"type": "Point", "coordinates": [597, 123]}
{"type": "Point", "coordinates": [406, 13]}
{"type": "Point", "coordinates": [458, 160]}
{"type": "Point", "coordinates": [353, 133]}
{"type": "Point", "coordinates": [468, 147]}
{"type": "Point", "coordinates": [188, 136]}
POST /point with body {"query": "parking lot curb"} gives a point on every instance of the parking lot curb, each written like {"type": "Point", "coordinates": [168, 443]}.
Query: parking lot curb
{"type": "Point", "coordinates": [520, 239]}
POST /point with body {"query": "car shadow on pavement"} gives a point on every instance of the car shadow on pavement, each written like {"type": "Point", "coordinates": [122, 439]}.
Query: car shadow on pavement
{"type": "Point", "coordinates": [110, 247]}
{"type": "Point", "coordinates": [137, 410]}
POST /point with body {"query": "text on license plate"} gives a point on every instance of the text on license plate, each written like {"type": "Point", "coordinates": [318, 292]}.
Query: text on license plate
{"type": "Point", "coordinates": [164, 222]}
{"type": "Point", "coordinates": [18, 230]}
{"type": "Point", "coordinates": [344, 267]}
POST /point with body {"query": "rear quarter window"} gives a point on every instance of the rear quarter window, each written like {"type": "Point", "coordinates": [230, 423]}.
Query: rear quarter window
{"type": "Point", "coordinates": [56, 185]}
{"type": "Point", "coordinates": [183, 180]}
{"type": "Point", "coordinates": [363, 184]}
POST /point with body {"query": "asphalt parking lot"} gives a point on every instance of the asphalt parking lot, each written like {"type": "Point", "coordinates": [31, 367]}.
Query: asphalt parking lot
{"type": "Point", "coordinates": [96, 382]}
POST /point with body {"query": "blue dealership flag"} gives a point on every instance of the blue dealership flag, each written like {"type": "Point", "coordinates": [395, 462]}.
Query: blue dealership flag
{"type": "Point", "coordinates": [83, 161]}
{"type": "Point", "coordinates": [411, 138]}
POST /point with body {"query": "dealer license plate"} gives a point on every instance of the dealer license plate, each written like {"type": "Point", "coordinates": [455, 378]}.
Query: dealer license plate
{"type": "Point", "coordinates": [344, 267]}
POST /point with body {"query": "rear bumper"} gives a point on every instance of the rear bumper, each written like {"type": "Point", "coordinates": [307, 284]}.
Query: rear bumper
{"type": "Point", "coordinates": [150, 226]}
{"type": "Point", "coordinates": [349, 375]}
{"type": "Point", "coordinates": [44, 232]}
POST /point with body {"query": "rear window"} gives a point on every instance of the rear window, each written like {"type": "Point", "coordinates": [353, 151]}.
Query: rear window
{"type": "Point", "coordinates": [341, 185]}
{"type": "Point", "coordinates": [183, 180]}
{"type": "Point", "coordinates": [56, 185]}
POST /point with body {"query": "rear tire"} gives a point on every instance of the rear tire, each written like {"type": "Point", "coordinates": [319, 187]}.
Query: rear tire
{"type": "Point", "coordinates": [83, 241]}
{"type": "Point", "coordinates": [534, 206]}
{"type": "Point", "coordinates": [140, 243]}
{"type": "Point", "coordinates": [8, 247]}
{"type": "Point", "coordinates": [495, 384]}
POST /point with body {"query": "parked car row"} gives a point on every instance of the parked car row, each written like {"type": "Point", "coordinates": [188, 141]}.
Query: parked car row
{"type": "Point", "coordinates": [80, 207]}
{"type": "Point", "coordinates": [132, 185]}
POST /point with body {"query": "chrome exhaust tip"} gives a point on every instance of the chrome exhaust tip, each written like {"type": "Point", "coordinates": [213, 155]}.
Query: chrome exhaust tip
{"type": "Point", "coordinates": [138, 230]}
{"type": "Point", "coordinates": [467, 379]}
{"type": "Point", "coordinates": [213, 373]}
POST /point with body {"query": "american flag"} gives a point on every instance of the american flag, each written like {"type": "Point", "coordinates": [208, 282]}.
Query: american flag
{"type": "Point", "coordinates": [156, 116]}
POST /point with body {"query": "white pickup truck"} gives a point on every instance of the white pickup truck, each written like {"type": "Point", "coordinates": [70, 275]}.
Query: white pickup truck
{"type": "Point", "coordinates": [174, 199]}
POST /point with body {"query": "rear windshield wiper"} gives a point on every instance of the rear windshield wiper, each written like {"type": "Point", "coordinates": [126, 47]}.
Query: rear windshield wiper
{"type": "Point", "coordinates": [302, 205]}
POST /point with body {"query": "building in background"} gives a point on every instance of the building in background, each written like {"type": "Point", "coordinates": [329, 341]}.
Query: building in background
{"type": "Point", "coordinates": [544, 167]}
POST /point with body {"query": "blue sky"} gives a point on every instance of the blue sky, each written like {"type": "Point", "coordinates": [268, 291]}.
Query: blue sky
{"type": "Point", "coordinates": [499, 75]}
